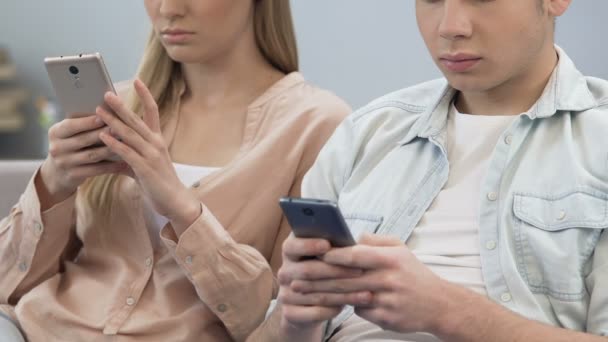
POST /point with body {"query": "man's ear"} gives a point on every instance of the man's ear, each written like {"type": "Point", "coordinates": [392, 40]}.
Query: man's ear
{"type": "Point", "coordinates": [557, 8]}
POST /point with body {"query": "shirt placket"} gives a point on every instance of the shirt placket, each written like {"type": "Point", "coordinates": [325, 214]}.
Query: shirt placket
{"type": "Point", "coordinates": [490, 239]}
{"type": "Point", "coordinates": [130, 299]}
{"type": "Point", "coordinates": [127, 301]}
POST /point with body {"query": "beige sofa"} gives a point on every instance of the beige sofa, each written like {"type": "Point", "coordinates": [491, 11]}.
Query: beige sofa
{"type": "Point", "coordinates": [14, 176]}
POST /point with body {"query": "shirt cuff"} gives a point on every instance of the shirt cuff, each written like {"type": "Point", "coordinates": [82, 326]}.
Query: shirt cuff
{"type": "Point", "coordinates": [205, 222]}
{"type": "Point", "coordinates": [30, 207]}
{"type": "Point", "coordinates": [221, 270]}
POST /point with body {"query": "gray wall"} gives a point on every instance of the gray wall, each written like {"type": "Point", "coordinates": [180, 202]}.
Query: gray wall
{"type": "Point", "coordinates": [359, 49]}
{"type": "Point", "coordinates": [362, 49]}
{"type": "Point", "coordinates": [34, 29]}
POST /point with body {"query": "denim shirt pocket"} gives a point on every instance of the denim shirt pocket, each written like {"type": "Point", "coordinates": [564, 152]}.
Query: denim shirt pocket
{"type": "Point", "coordinates": [555, 237]}
{"type": "Point", "coordinates": [362, 223]}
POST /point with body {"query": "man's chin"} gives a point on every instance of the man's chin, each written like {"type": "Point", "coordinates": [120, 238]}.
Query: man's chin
{"type": "Point", "coordinates": [468, 84]}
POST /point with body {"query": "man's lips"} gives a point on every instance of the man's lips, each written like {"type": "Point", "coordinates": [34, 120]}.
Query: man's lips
{"type": "Point", "coordinates": [459, 62]}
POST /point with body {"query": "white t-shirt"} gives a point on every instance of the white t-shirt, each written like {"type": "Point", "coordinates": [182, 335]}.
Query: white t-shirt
{"type": "Point", "coordinates": [188, 175]}
{"type": "Point", "coordinates": [446, 239]}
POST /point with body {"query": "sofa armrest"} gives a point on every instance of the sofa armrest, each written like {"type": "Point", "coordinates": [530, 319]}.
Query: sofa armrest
{"type": "Point", "coordinates": [14, 176]}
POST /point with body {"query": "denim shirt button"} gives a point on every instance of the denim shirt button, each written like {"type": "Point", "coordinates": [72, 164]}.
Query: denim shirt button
{"type": "Point", "coordinates": [505, 297]}
{"type": "Point", "coordinates": [561, 216]}
{"type": "Point", "coordinates": [491, 245]}
{"type": "Point", "coordinates": [509, 139]}
{"type": "Point", "coordinates": [492, 196]}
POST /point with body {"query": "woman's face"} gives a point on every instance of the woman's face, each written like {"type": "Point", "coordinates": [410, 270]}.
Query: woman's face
{"type": "Point", "coordinates": [196, 31]}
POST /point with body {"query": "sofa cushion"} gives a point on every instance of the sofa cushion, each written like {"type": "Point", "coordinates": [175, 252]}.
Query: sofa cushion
{"type": "Point", "coordinates": [14, 176]}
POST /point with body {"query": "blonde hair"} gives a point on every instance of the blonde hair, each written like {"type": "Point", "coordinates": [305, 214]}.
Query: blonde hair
{"type": "Point", "coordinates": [275, 37]}
{"type": "Point", "coordinates": [274, 34]}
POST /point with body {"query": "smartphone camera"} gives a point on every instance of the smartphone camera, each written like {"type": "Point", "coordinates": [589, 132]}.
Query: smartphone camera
{"type": "Point", "coordinates": [74, 70]}
{"type": "Point", "coordinates": [308, 212]}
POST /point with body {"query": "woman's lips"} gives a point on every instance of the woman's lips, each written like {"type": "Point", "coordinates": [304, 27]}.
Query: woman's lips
{"type": "Point", "coordinates": [176, 36]}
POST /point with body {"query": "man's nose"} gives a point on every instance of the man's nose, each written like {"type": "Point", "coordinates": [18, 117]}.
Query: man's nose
{"type": "Point", "coordinates": [455, 22]}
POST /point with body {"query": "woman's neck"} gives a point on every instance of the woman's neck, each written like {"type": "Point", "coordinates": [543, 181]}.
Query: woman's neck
{"type": "Point", "coordinates": [236, 77]}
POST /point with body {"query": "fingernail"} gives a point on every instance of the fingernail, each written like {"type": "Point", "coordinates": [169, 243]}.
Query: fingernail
{"type": "Point", "coordinates": [322, 246]}
{"type": "Point", "coordinates": [365, 298]}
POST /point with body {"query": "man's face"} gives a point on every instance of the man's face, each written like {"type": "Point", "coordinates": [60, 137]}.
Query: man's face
{"type": "Point", "coordinates": [480, 45]}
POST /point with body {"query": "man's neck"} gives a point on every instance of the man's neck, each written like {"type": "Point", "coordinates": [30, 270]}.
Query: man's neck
{"type": "Point", "coordinates": [515, 96]}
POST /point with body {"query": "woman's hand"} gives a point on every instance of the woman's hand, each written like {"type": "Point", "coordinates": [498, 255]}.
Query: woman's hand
{"type": "Point", "coordinates": [139, 142]}
{"type": "Point", "coordinates": [75, 154]}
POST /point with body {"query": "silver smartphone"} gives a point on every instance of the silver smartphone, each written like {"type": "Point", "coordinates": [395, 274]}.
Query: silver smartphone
{"type": "Point", "coordinates": [314, 218]}
{"type": "Point", "coordinates": [80, 83]}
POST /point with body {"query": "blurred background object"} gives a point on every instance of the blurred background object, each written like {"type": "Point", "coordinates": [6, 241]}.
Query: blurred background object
{"type": "Point", "coordinates": [12, 97]}
{"type": "Point", "coordinates": [31, 30]}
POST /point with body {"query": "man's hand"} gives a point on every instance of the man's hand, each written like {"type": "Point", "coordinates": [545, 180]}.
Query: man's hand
{"type": "Point", "coordinates": [406, 295]}
{"type": "Point", "coordinates": [303, 313]}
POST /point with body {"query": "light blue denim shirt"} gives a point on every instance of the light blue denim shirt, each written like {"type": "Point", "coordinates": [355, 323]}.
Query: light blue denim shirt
{"type": "Point", "coordinates": [544, 203]}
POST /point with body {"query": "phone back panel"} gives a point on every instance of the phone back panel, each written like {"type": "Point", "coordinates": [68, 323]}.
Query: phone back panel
{"type": "Point", "coordinates": [79, 93]}
{"type": "Point", "coordinates": [311, 218]}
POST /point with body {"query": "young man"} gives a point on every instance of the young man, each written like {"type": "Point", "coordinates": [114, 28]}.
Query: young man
{"type": "Point", "coordinates": [490, 226]}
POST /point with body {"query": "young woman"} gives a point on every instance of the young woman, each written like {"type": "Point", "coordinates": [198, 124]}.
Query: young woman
{"type": "Point", "coordinates": [178, 240]}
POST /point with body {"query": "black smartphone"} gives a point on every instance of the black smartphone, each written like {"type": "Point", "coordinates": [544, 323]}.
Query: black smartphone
{"type": "Point", "coordinates": [314, 218]}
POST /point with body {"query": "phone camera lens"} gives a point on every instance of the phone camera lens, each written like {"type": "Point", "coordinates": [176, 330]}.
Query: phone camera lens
{"type": "Point", "coordinates": [308, 212]}
{"type": "Point", "coordinates": [74, 70]}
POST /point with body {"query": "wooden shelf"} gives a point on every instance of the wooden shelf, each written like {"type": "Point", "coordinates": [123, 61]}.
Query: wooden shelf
{"type": "Point", "coordinates": [8, 72]}
{"type": "Point", "coordinates": [11, 123]}
{"type": "Point", "coordinates": [11, 99]}
{"type": "Point", "coordinates": [11, 96]}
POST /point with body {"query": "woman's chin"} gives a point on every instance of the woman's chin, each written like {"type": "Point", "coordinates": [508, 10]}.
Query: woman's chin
{"type": "Point", "coordinates": [183, 54]}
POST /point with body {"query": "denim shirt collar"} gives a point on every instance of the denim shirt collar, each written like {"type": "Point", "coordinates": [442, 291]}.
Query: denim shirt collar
{"type": "Point", "coordinates": [566, 90]}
